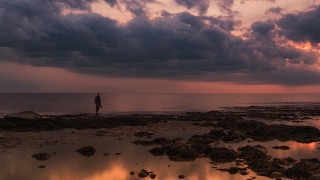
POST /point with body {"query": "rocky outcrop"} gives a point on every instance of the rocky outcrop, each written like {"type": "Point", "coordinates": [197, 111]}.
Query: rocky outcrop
{"type": "Point", "coordinates": [26, 115]}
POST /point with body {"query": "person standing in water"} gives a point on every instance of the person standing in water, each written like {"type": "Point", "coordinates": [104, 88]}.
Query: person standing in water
{"type": "Point", "coordinates": [97, 101]}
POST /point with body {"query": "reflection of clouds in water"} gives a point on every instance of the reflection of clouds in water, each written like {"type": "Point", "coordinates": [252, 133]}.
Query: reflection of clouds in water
{"type": "Point", "coordinates": [307, 146]}
{"type": "Point", "coordinates": [117, 172]}
{"type": "Point", "coordinates": [67, 164]}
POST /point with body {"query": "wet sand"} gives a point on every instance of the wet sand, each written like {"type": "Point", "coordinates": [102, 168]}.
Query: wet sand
{"type": "Point", "coordinates": [222, 137]}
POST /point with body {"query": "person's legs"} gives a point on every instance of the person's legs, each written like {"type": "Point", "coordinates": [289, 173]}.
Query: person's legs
{"type": "Point", "coordinates": [97, 108]}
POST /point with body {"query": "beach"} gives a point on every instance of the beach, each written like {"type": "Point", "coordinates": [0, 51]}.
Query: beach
{"type": "Point", "coordinates": [254, 142]}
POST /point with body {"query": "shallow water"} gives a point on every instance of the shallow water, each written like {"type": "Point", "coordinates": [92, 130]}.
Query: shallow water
{"type": "Point", "coordinates": [61, 103]}
{"type": "Point", "coordinates": [66, 163]}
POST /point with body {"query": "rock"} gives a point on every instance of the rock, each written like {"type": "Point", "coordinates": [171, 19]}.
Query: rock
{"type": "Point", "coordinates": [41, 156]}
{"type": "Point", "coordinates": [181, 152]}
{"type": "Point", "coordinates": [181, 176]}
{"type": "Point", "coordinates": [275, 174]}
{"type": "Point", "coordinates": [41, 166]}
{"type": "Point", "coordinates": [152, 176]}
{"type": "Point", "coordinates": [178, 140]}
{"type": "Point", "coordinates": [222, 155]}
{"type": "Point", "coordinates": [238, 136]}
{"type": "Point", "coordinates": [143, 142]}
{"type": "Point", "coordinates": [131, 173]}
{"type": "Point", "coordinates": [201, 149]}
{"type": "Point", "coordinates": [315, 177]}
{"type": "Point", "coordinates": [157, 151]}
{"type": "Point", "coordinates": [143, 134]}
{"type": "Point", "coordinates": [26, 115]}
{"type": "Point", "coordinates": [235, 170]}
{"type": "Point", "coordinates": [87, 151]}
{"type": "Point", "coordinates": [283, 161]}
{"type": "Point", "coordinates": [304, 169]}
{"type": "Point", "coordinates": [243, 172]}
{"type": "Point", "coordinates": [143, 173]}
{"type": "Point", "coordinates": [281, 147]}
{"type": "Point", "coordinates": [251, 153]}
{"type": "Point", "coordinates": [162, 141]}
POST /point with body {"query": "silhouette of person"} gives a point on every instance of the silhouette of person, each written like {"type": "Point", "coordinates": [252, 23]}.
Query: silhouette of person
{"type": "Point", "coordinates": [97, 101]}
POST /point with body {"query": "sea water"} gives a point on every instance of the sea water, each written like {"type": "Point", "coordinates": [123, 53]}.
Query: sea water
{"type": "Point", "coordinates": [75, 103]}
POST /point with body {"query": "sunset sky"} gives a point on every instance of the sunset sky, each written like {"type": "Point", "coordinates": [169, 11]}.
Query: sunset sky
{"type": "Point", "coordinates": [160, 46]}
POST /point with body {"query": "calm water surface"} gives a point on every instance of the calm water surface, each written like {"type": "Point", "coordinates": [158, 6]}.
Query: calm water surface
{"type": "Point", "coordinates": [140, 103]}
{"type": "Point", "coordinates": [64, 163]}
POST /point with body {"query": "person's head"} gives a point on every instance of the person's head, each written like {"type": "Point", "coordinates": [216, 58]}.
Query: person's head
{"type": "Point", "coordinates": [98, 94]}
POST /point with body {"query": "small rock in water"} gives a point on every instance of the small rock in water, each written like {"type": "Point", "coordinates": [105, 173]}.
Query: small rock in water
{"type": "Point", "coordinates": [281, 147]}
{"type": "Point", "coordinates": [181, 176]}
{"type": "Point", "coordinates": [41, 166]}
{"type": "Point", "coordinates": [142, 175]}
{"type": "Point", "coordinates": [41, 156]}
{"type": "Point", "coordinates": [152, 176]}
{"type": "Point", "coordinates": [87, 151]}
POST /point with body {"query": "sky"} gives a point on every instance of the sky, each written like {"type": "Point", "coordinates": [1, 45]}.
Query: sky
{"type": "Point", "coordinates": [160, 46]}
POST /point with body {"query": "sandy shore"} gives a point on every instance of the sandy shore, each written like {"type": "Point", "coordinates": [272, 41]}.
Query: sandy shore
{"type": "Point", "coordinates": [229, 126]}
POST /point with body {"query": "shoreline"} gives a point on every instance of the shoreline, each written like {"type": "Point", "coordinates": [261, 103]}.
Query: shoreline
{"type": "Point", "coordinates": [234, 125]}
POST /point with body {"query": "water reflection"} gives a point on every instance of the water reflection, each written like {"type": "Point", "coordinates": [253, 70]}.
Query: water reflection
{"type": "Point", "coordinates": [66, 163]}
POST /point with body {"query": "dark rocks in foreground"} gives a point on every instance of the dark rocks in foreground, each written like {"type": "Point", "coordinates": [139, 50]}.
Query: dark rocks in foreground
{"type": "Point", "coordinates": [222, 155]}
{"type": "Point", "coordinates": [41, 156]}
{"type": "Point", "coordinates": [255, 157]}
{"type": "Point", "coordinates": [233, 127]}
{"type": "Point", "coordinates": [144, 173]}
{"type": "Point", "coordinates": [87, 151]}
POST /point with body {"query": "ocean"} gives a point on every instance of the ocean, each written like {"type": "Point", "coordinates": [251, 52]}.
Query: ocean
{"type": "Point", "coordinates": [76, 103]}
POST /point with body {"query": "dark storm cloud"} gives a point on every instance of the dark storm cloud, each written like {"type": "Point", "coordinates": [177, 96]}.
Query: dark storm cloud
{"type": "Point", "coordinates": [173, 46]}
{"type": "Point", "coordinates": [201, 5]}
{"type": "Point", "coordinates": [262, 27]}
{"type": "Point", "coordinates": [276, 10]}
{"type": "Point", "coordinates": [303, 26]}
{"type": "Point", "coordinates": [225, 6]}
{"type": "Point", "coordinates": [112, 3]}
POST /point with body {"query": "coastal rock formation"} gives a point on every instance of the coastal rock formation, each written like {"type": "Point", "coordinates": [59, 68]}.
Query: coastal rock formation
{"type": "Point", "coordinates": [26, 115]}
{"type": "Point", "coordinates": [305, 169]}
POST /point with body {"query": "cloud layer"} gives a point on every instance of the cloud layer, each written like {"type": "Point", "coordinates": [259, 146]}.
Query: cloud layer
{"type": "Point", "coordinates": [171, 46]}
